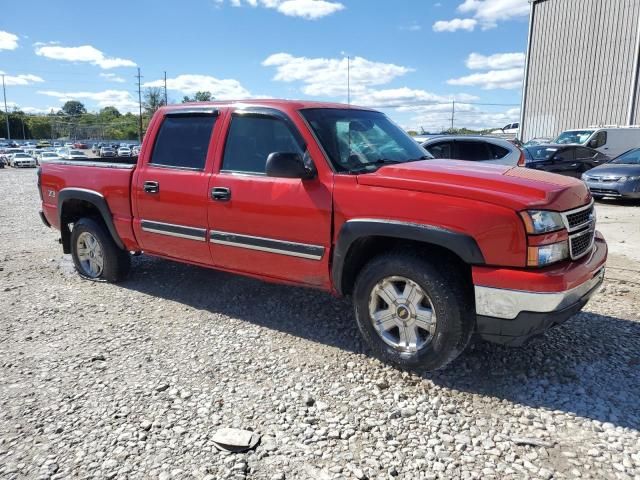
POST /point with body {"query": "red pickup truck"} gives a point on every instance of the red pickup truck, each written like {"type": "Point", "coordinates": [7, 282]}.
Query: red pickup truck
{"type": "Point", "coordinates": [341, 199]}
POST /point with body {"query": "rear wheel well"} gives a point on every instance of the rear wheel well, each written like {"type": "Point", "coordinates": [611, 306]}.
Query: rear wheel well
{"type": "Point", "coordinates": [366, 248]}
{"type": "Point", "coordinates": [72, 211]}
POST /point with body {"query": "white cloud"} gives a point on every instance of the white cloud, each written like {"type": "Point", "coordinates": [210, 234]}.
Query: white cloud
{"type": "Point", "coordinates": [498, 61]}
{"type": "Point", "coordinates": [121, 99]}
{"type": "Point", "coordinates": [84, 53]}
{"type": "Point", "coordinates": [486, 13]}
{"type": "Point", "coordinates": [468, 24]}
{"type": "Point", "coordinates": [307, 9]}
{"type": "Point", "coordinates": [328, 76]}
{"type": "Point", "coordinates": [23, 79]}
{"type": "Point", "coordinates": [491, 80]}
{"type": "Point", "coordinates": [8, 41]}
{"type": "Point", "coordinates": [412, 27]}
{"type": "Point", "coordinates": [225, 89]}
{"type": "Point", "coordinates": [489, 12]}
{"type": "Point", "coordinates": [404, 98]}
{"type": "Point", "coordinates": [438, 117]}
{"type": "Point", "coordinates": [112, 77]}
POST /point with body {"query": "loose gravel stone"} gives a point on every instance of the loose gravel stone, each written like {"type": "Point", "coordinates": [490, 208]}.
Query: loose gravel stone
{"type": "Point", "coordinates": [132, 380]}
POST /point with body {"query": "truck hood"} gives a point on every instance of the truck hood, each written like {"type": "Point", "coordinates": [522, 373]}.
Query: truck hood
{"type": "Point", "coordinates": [514, 187]}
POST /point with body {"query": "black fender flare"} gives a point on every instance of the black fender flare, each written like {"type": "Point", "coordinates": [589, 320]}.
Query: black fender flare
{"type": "Point", "coordinates": [463, 245]}
{"type": "Point", "coordinates": [94, 198]}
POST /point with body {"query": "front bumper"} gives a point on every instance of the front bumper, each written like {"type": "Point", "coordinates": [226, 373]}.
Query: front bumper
{"type": "Point", "coordinates": [513, 316]}
{"type": "Point", "coordinates": [614, 189]}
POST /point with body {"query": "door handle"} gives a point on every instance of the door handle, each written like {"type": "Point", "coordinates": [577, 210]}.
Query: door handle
{"type": "Point", "coordinates": [151, 186]}
{"type": "Point", "coordinates": [221, 194]}
{"type": "Point", "coordinates": [574, 164]}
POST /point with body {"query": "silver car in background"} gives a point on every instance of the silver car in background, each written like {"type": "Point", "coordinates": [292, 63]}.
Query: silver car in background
{"type": "Point", "coordinates": [619, 178]}
{"type": "Point", "coordinates": [479, 148]}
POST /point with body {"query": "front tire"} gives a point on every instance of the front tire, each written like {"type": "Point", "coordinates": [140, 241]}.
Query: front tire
{"type": "Point", "coordinates": [95, 254]}
{"type": "Point", "coordinates": [414, 313]}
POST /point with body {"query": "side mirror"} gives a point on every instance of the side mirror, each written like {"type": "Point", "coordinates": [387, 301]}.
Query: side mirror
{"type": "Point", "coordinates": [288, 165]}
{"type": "Point", "coordinates": [593, 143]}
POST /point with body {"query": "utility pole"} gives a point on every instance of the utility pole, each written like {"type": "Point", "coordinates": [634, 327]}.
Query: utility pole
{"type": "Point", "coordinates": [139, 106]}
{"type": "Point", "coordinates": [6, 112]}
{"type": "Point", "coordinates": [165, 89]}
{"type": "Point", "coordinates": [348, 80]}
{"type": "Point", "coordinates": [453, 113]}
{"type": "Point", "coordinates": [24, 137]}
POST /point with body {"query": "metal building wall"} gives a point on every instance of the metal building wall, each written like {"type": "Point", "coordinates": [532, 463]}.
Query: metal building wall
{"type": "Point", "coordinates": [581, 62]}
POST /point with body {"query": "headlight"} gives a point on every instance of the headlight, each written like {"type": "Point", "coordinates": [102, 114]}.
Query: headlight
{"type": "Point", "coordinates": [541, 221]}
{"type": "Point", "coordinates": [547, 254]}
{"type": "Point", "coordinates": [629, 179]}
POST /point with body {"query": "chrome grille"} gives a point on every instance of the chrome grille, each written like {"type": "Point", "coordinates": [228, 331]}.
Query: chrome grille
{"type": "Point", "coordinates": [578, 218]}
{"type": "Point", "coordinates": [581, 224]}
{"type": "Point", "coordinates": [581, 243]}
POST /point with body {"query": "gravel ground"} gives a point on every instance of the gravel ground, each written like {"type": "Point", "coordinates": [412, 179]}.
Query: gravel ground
{"type": "Point", "coordinates": [131, 381]}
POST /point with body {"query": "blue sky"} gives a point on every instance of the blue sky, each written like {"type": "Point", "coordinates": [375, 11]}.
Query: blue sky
{"type": "Point", "coordinates": [410, 58]}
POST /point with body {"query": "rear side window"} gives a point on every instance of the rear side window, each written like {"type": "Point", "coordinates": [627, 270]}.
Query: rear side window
{"type": "Point", "coordinates": [183, 141]}
{"type": "Point", "coordinates": [474, 151]}
{"type": "Point", "coordinates": [497, 152]}
{"type": "Point", "coordinates": [252, 138]}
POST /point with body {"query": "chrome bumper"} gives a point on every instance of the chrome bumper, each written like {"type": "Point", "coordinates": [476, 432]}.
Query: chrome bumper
{"type": "Point", "coordinates": [508, 304]}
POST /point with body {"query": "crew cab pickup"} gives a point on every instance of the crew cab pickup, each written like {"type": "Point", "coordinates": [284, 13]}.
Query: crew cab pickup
{"type": "Point", "coordinates": [341, 199]}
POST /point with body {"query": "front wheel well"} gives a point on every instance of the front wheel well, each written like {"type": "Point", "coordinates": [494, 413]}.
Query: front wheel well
{"type": "Point", "coordinates": [365, 249]}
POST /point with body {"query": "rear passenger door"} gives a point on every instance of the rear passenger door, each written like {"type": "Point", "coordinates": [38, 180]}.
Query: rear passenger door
{"type": "Point", "coordinates": [564, 162]}
{"type": "Point", "coordinates": [170, 186]}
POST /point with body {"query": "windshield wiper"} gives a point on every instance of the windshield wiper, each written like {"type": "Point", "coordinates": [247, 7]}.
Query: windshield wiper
{"type": "Point", "coordinates": [376, 163]}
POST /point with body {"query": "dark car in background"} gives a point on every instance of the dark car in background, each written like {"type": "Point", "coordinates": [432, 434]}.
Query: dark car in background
{"type": "Point", "coordinates": [618, 178]}
{"type": "Point", "coordinates": [474, 148]}
{"type": "Point", "coordinates": [570, 160]}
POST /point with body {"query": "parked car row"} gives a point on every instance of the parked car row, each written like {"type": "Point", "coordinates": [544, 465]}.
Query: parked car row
{"type": "Point", "coordinates": [575, 153]}
{"type": "Point", "coordinates": [115, 149]}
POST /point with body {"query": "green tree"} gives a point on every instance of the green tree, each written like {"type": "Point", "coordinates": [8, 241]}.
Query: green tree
{"type": "Point", "coordinates": [153, 99]}
{"type": "Point", "coordinates": [73, 107]}
{"type": "Point", "coordinates": [198, 97]}
{"type": "Point", "coordinates": [110, 112]}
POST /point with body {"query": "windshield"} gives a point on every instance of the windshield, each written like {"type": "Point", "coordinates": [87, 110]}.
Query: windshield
{"type": "Point", "coordinates": [630, 158]}
{"type": "Point", "coordinates": [360, 140]}
{"type": "Point", "coordinates": [579, 137]}
{"type": "Point", "coordinates": [541, 153]}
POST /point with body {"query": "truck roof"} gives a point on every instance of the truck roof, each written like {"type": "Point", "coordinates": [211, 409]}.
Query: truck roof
{"type": "Point", "coordinates": [269, 102]}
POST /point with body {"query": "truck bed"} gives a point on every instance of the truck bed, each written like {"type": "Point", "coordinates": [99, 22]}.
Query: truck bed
{"type": "Point", "coordinates": [108, 179]}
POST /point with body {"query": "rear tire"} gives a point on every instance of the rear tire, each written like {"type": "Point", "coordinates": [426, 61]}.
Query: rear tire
{"type": "Point", "coordinates": [419, 287]}
{"type": "Point", "coordinates": [95, 255]}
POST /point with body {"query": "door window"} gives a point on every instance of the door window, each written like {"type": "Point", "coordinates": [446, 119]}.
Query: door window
{"type": "Point", "coordinates": [183, 142]}
{"type": "Point", "coordinates": [252, 138]}
{"type": "Point", "coordinates": [599, 139]}
{"type": "Point", "coordinates": [565, 155]}
{"type": "Point", "coordinates": [441, 150]}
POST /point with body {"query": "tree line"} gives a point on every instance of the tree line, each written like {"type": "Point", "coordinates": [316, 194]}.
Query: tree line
{"type": "Point", "coordinates": [73, 120]}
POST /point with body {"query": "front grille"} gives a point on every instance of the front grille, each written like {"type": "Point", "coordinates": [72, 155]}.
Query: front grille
{"type": "Point", "coordinates": [605, 191]}
{"type": "Point", "coordinates": [579, 218]}
{"type": "Point", "coordinates": [580, 243]}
